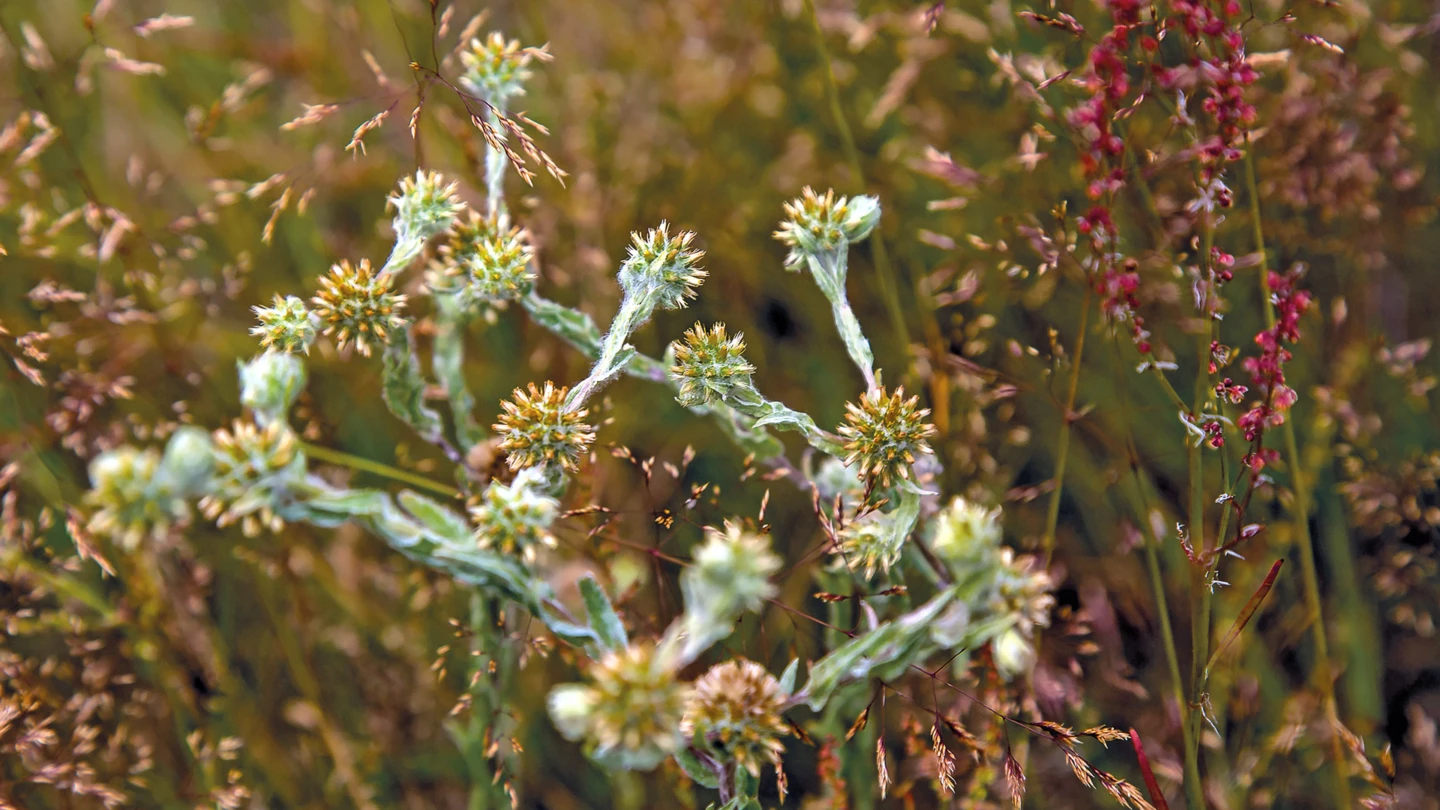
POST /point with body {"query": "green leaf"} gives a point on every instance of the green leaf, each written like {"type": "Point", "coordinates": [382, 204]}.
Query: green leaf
{"type": "Point", "coordinates": [443, 522]}
{"type": "Point", "coordinates": [787, 679]}
{"type": "Point", "coordinates": [404, 388]}
{"type": "Point", "coordinates": [603, 620]}
{"type": "Point", "coordinates": [695, 769]}
{"type": "Point", "coordinates": [885, 652]}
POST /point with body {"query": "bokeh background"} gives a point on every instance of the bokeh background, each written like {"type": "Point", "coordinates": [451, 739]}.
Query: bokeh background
{"type": "Point", "coordinates": [330, 660]}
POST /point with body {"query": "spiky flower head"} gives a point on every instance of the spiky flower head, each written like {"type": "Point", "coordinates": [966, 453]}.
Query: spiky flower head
{"type": "Point", "coordinates": [537, 429]}
{"type": "Point", "coordinates": [871, 542]}
{"type": "Point", "coordinates": [285, 326]}
{"type": "Point", "coordinates": [736, 708]}
{"type": "Point", "coordinates": [515, 517]}
{"type": "Point", "coordinates": [424, 206]}
{"type": "Point", "coordinates": [709, 366]}
{"type": "Point", "coordinates": [497, 68]}
{"type": "Point", "coordinates": [816, 225]}
{"type": "Point", "coordinates": [485, 263]}
{"type": "Point", "coordinates": [628, 713]}
{"type": "Point", "coordinates": [130, 498]}
{"type": "Point", "coordinates": [662, 266]}
{"type": "Point", "coordinates": [356, 304]}
{"type": "Point", "coordinates": [255, 470]}
{"type": "Point", "coordinates": [884, 433]}
{"type": "Point", "coordinates": [966, 532]}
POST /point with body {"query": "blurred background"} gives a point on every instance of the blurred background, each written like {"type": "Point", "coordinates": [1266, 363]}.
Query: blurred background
{"type": "Point", "coordinates": [151, 194]}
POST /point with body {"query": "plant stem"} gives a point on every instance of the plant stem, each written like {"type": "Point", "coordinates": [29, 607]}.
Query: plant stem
{"type": "Point", "coordinates": [1309, 577]}
{"type": "Point", "coordinates": [885, 273]}
{"type": "Point", "coordinates": [1157, 582]}
{"type": "Point", "coordinates": [1200, 593]}
{"type": "Point", "coordinates": [344, 459]}
{"type": "Point", "coordinates": [1062, 451]}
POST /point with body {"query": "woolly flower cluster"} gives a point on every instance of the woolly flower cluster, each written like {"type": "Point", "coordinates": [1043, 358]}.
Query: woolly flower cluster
{"type": "Point", "coordinates": [515, 517]}
{"type": "Point", "coordinates": [1012, 590]}
{"type": "Point", "coordinates": [497, 68]}
{"type": "Point", "coordinates": [139, 494]}
{"type": "Point", "coordinates": [628, 713]}
{"type": "Point", "coordinates": [537, 429]}
{"type": "Point", "coordinates": [285, 326]}
{"type": "Point", "coordinates": [730, 575]}
{"type": "Point", "coordinates": [884, 433]}
{"type": "Point", "coordinates": [424, 206]}
{"type": "Point", "coordinates": [735, 708]}
{"type": "Point", "coordinates": [662, 266]}
{"type": "Point", "coordinates": [483, 263]}
{"type": "Point", "coordinates": [710, 366]}
{"type": "Point", "coordinates": [357, 305]}
{"type": "Point", "coordinates": [818, 225]}
{"type": "Point", "coordinates": [255, 471]}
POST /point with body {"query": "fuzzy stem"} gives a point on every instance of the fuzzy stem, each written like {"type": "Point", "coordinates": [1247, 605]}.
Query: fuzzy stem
{"type": "Point", "coordinates": [830, 270]}
{"type": "Point", "coordinates": [1309, 576]}
{"type": "Point", "coordinates": [1062, 451]}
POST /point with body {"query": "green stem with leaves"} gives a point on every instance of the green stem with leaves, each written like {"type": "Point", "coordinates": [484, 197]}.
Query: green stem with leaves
{"type": "Point", "coordinates": [1067, 418]}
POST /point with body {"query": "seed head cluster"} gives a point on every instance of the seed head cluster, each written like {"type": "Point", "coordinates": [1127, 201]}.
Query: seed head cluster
{"type": "Point", "coordinates": [130, 500]}
{"type": "Point", "coordinates": [736, 708]}
{"type": "Point", "coordinates": [709, 365]}
{"type": "Point", "coordinates": [357, 305]}
{"type": "Point", "coordinates": [884, 433]}
{"type": "Point", "coordinates": [537, 429]}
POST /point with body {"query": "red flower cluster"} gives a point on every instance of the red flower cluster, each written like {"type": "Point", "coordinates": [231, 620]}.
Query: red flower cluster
{"type": "Point", "coordinates": [1267, 369]}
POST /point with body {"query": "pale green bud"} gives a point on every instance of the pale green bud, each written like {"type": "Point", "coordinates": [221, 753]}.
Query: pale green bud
{"type": "Point", "coordinates": [285, 326]}
{"type": "Point", "coordinates": [424, 206]}
{"type": "Point", "coordinates": [270, 384]}
{"type": "Point", "coordinates": [189, 460]}
{"type": "Point", "coordinates": [516, 517]}
{"type": "Point", "coordinates": [1014, 654]}
{"type": "Point", "coordinates": [730, 575]}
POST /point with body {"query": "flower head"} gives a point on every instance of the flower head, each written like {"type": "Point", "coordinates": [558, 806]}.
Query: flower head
{"type": "Point", "coordinates": [663, 266]}
{"type": "Point", "coordinates": [484, 263]}
{"type": "Point", "coordinates": [355, 304]}
{"type": "Point", "coordinates": [497, 68]}
{"type": "Point", "coordinates": [816, 224]}
{"type": "Point", "coordinates": [424, 206]}
{"type": "Point", "coordinates": [736, 708]}
{"type": "Point", "coordinates": [285, 326]}
{"type": "Point", "coordinates": [966, 531]}
{"type": "Point", "coordinates": [130, 497]}
{"type": "Point", "coordinates": [1022, 592]}
{"type": "Point", "coordinates": [255, 469]}
{"type": "Point", "coordinates": [515, 517]}
{"type": "Point", "coordinates": [730, 575]}
{"type": "Point", "coordinates": [537, 429]}
{"type": "Point", "coordinates": [871, 542]}
{"type": "Point", "coordinates": [709, 366]}
{"type": "Point", "coordinates": [884, 434]}
{"type": "Point", "coordinates": [629, 712]}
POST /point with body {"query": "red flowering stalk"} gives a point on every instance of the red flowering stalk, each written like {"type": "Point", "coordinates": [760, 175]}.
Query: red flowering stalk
{"type": "Point", "coordinates": [1267, 370]}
